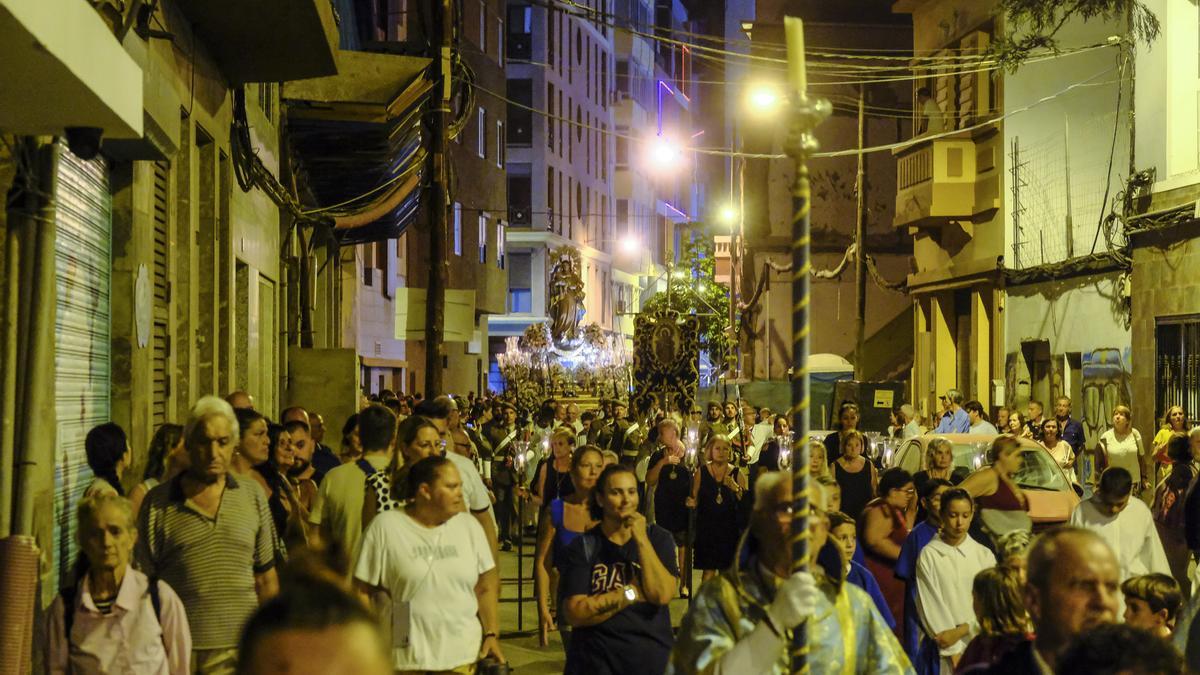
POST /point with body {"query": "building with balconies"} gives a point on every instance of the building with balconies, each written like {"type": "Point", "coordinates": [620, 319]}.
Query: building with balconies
{"type": "Point", "coordinates": [361, 133]}
{"type": "Point", "coordinates": [560, 73]}
{"type": "Point", "coordinates": [1015, 291]}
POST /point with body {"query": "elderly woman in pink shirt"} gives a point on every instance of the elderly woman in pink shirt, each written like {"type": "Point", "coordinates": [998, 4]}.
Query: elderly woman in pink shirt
{"type": "Point", "coordinates": [110, 621]}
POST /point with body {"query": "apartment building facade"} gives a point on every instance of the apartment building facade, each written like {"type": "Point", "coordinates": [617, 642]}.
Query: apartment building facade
{"type": "Point", "coordinates": [157, 278]}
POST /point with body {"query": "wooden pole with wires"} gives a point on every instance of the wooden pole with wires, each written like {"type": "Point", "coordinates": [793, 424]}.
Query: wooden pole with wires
{"type": "Point", "coordinates": [806, 114]}
{"type": "Point", "coordinates": [860, 249]}
{"type": "Point", "coordinates": [438, 207]}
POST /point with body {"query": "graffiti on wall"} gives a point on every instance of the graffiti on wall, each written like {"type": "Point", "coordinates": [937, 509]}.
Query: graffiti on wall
{"type": "Point", "coordinates": [1107, 383]}
{"type": "Point", "coordinates": [1104, 378]}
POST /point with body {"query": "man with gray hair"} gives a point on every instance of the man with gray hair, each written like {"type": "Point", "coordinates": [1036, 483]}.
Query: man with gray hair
{"type": "Point", "coordinates": [912, 427]}
{"type": "Point", "coordinates": [956, 420]}
{"type": "Point", "coordinates": [740, 620]}
{"type": "Point", "coordinates": [1071, 587]}
{"type": "Point", "coordinates": [210, 536]}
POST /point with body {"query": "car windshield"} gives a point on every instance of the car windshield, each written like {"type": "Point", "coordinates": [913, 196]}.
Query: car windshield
{"type": "Point", "coordinates": [1039, 472]}
{"type": "Point", "coordinates": [969, 455]}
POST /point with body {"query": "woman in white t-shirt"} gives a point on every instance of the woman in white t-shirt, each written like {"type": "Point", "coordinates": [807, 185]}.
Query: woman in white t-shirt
{"type": "Point", "coordinates": [1122, 446]}
{"type": "Point", "coordinates": [432, 561]}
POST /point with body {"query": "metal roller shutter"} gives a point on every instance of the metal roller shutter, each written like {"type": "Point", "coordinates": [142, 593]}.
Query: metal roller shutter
{"type": "Point", "coordinates": [161, 342]}
{"type": "Point", "coordinates": [82, 382]}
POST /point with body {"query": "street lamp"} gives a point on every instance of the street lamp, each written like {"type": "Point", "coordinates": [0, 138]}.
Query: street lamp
{"type": "Point", "coordinates": [728, 215]}
{"type": "Point", "coordinates": [665, 154]}
{"type": "Point", "coordinates": [630, 245]}
{"type": "Point", "coordinates": [763, 99]}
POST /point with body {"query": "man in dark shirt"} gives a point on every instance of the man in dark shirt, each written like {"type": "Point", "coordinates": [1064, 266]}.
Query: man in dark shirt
{"type": "Point", "coordinates": [1033, 423]}
{"type": "Point", "coordinates": [324, 459]}
{"type": "Point", "coordinates": [1070, 430]}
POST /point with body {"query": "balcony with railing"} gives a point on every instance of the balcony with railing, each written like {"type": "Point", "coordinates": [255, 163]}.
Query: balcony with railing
{"type": "Point", "coordinates": [724, 264]}
{"type": "Point", "coordinates": [946, 179]}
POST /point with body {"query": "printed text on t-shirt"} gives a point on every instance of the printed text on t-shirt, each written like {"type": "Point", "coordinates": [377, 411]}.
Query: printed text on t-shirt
{"type": "Point", "coordinates": [607, 577]}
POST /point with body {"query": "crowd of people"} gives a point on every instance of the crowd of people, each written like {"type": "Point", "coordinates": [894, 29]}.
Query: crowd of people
{"type": "Point", "coordinates": [250, 545]}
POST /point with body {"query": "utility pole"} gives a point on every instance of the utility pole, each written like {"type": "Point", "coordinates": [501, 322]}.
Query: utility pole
{"type": "Point", "coordinates": [439, 193]}
{"type": "Point", "coordinates": [860, 251]}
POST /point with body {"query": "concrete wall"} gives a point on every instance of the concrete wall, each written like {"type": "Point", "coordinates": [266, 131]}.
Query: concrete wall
{"type": "Point", "coordinates": [767, 204]}
{"type": "Point", "coordinates": [1064, 145]}
{"type": "Point", "coordinates": [219, 334]}
{"type": "Point", "coordinates": [1164, 285]}
{"type": "Point", "coordinates": [1168, 113]}
{"type": "Point", "coordinates": [1072, 338]}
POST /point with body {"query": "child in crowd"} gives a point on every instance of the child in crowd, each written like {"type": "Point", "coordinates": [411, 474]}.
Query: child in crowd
{"type": "Point", "coordinates": [844, 532]}
{"type": "Point", "coordinates": [1000, 613]}
{"type": "Point", "coordinates": [1151, 602]}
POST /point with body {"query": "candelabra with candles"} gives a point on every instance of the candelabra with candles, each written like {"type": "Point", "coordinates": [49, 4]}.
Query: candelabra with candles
{"type": "Point", "coordinates": [784, 441]}
{"type": "Point", "coordinates": [691, 462]}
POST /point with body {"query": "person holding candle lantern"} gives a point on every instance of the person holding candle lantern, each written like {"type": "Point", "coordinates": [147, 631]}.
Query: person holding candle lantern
{"type": "Point", "coordinates": [670, 480]}
{"type": "Point", "coordinates": [717, 492]}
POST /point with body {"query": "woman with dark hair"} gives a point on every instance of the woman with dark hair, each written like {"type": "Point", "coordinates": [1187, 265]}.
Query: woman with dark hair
{"type": "Point", "coordinates": [847, 421]}
{"type": "Point", "coordinates": [432, 562]}
{"type": "Point", "coordinates": [108, 455]}
{"type": "Point", "coordinates": [164, 459]}
{"type": "Point", "coordinates": [617, 580]}
{"type": "Point", "coordinates": [351, 449]}
{"type": "Point", "coordinates": [565, 519]}
{"type": "Point", "coordinates": [1059, 449]}
{"type": "Point", "coordinates": [946, 572]}
{"type": "Point", "coordinates": [1001, 504]}
{"type": "Point", "coordinates": [1177, 524]}
{"type": "Point", "coordinates": [287, 513]}
{"type": "Point", "coordinates": [416, 439]}
{"type": "Point", "coordinates": [885, 524]}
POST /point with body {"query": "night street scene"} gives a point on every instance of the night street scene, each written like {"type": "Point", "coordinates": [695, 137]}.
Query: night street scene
{"type": "Point", "coordinates": [600, 337]}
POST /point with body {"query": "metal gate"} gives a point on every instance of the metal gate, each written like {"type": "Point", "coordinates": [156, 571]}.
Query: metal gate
{"type": "Point", "coordinates": [83, 230]}
{"type": "Point", "coordinates": [1177, 365]}
{"type": "Point", "coordinates": [161, 335]}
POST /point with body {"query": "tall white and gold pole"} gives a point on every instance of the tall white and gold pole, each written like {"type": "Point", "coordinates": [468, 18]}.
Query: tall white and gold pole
{"type": "Point", "coordinates": [807, 113]}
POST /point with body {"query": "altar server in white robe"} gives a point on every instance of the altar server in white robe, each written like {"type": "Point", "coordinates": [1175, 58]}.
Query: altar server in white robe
{"type": "Point", "coordinates": [946, 571]}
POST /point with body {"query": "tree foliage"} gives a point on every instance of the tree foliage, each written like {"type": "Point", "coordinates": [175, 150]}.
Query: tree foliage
{"type": "Point", "coordinates": [1034, 24]}
{"type": "Point", "coordinates": [699, 293]}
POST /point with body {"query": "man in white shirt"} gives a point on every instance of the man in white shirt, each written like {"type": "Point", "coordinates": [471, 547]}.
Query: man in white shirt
{"type": "Point", "coordinates": [979, 420]}
{"type": "Point", "coordinates": [946, 571]}
{"type": "Point", "coordinates": [1125, 524]}
{"type": "Point", "coordinates": [912, 428]}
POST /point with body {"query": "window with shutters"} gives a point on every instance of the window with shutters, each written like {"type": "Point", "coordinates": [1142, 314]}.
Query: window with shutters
{"type": "Point", "coordinates": [161, 307]}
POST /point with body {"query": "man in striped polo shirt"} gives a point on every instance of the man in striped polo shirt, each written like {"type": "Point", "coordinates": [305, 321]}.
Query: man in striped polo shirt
{"type": "Point", "coordinates": [210, 537]}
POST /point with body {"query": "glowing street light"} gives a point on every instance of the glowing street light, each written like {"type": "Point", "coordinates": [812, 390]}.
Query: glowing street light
{"type": "Point", "coordinates": [664, 153]}
{"type": "Point", "coordinates": [630, 245]}
{"type": "Point", "coordinates": [763, 98]}
{"type": "Point", "coordinates": [728, 215]}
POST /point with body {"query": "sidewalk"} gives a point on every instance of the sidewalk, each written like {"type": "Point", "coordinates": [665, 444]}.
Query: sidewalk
{"type": "Point", "coordinates": [521, 646]}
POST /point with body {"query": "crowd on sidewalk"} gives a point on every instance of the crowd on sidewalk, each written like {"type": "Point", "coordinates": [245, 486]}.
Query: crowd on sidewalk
{"type": "Point", "coordinates": [252, 546]}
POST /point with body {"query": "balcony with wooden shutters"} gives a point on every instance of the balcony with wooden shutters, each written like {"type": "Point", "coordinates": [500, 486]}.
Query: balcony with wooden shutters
{"type": "Point", "coordinates": [951, 178]}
